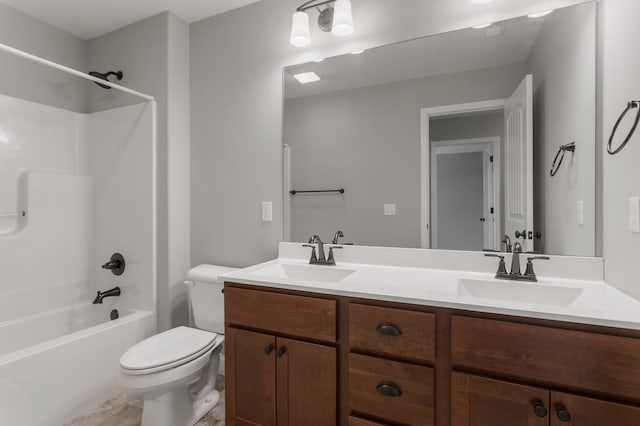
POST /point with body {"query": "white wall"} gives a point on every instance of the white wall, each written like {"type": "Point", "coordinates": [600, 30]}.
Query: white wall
{"type": "Point", "coordinates": [564, 76]}
{"type": "Point", "coordinates": [621, 61]}
{"type": "Point", "coordinates": [153, 55]}
{"type": "Point", "coordinates": [366, 140]}
{"type": "Point", "coordinates": [236, 106]}
{"type": "Point", "coordinates": [35, 82]}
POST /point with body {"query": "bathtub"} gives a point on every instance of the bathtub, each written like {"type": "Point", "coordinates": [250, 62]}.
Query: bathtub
{"type": "Point", "coordinates": [56, 365]}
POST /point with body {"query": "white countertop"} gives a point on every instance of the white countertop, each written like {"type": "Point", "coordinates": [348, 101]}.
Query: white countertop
{"type": "Point", "coordinates": [563, 299]}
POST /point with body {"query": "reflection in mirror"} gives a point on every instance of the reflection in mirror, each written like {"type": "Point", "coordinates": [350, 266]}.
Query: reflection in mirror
{"type": "Point", "coordinates": [447, 141]}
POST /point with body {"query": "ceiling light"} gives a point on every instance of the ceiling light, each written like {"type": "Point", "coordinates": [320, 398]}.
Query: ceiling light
{"type": "Point", "coordinates": [479, 27]}
{"type": "Point", "coordinates": [540, 14]}
{"type": "Point", "coordinates": [480, 1]}
{"type": "Point", "coordinates": [306, 77]}
{"type": "Point", "coordinates": [357, 52]}
{"type": "Point", "coordinates": [335, 17]}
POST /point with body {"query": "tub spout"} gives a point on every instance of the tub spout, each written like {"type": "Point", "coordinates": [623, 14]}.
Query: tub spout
{"type": "Point", "coordinates": [109, 293]}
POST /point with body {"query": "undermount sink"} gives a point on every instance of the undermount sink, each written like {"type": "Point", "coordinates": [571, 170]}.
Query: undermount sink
{"type": "Point", "coordinates": [304, 272]}
{"type": "Point", "coordinates": [517, 291]}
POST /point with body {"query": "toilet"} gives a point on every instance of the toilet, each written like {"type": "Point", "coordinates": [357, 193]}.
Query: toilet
{"type": "Point", "coordinates": [175, 371]}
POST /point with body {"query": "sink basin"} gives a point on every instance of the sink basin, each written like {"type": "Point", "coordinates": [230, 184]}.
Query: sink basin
{"type": "Point", "coordinates": [516, 291]}
{"type": "Point", "coordinates": [304, 272]}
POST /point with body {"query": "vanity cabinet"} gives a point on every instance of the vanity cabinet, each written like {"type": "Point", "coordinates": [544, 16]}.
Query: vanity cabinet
{"type": "Point", "coordinates": [297, 358]}
{"type": "Point", "coordinates": [273, 379]}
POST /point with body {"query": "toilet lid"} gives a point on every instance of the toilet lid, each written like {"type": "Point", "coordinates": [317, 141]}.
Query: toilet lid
{"type": "Point", "coordinates": [168, 349]}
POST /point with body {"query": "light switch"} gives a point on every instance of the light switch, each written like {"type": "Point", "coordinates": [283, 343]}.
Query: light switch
{"type": "Point", "coordinates": [267, 211]}
{"type": "Point", "coordinates": [634, 214]}
{"type": "Point", "coordinates": [580, 212]}
{"type": "Point", "coordinates": [389, 209]}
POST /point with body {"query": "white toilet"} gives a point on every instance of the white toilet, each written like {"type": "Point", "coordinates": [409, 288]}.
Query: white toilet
{"type": "Point", "coordinates": [175, 371]}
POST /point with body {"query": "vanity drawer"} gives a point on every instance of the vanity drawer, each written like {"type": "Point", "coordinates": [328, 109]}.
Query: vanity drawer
{"type": "Point", "coordinates": [357, 421]}
{"type": "Point", "coordinates": [302, 316]}
{"type": "Point", "coordinates": [370, 377]}
{"type": "Point", "coordinates": [395, 332]}
{"type": "Point", "coordinates": [568, 358]}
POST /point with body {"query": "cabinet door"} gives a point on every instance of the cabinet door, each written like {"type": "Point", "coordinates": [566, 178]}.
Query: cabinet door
{"type": "Point", "coordinates": [250, 378]}
{"type": "Point", "coordinates": [307, 384]}
{"type": "Point", "coordinates": [572, 410]}
{"type": "Point", "coordinates": [478, 401]}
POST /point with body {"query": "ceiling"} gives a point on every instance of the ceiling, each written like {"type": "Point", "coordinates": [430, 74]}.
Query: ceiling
{"type": "Point", "coordinates": [503, 43]}
{"type": "Point", "coordinates": [91, 18]}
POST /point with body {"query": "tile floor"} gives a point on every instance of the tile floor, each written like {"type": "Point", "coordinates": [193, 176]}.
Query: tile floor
{"type": "Point", "coordinates": [124, 410]}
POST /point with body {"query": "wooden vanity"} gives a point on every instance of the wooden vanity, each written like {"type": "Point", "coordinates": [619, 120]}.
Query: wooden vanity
{"type": "Point", "coordinates": [303, 359]}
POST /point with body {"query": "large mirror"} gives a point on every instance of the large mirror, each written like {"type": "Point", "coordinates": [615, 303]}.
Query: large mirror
{"type": "Point", "coordinates": [448, 141]}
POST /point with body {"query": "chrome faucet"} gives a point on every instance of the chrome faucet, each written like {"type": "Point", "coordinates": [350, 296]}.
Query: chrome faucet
{"type": "Point", "coordinates": [507, 243]}
{"type": "Point", "coordinates": [109, 293]}
{"type": "Point", "coordinates": [337, 236]}
{"type": "Point", "coordinates": [320, 259]}
{"type": "Point", "coordinates": [515, 274]}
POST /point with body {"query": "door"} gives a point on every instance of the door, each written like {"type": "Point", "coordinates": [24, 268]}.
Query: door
{"type": "Point", "coordinates": [307, 383]}
{"type": "Point", "coordinates": [518, 115]}
{"type": "Point", "coordinates": [572, 410]}
{"type": "Point", "coordinates": [251, 378]}
{"type": "Point", "coordinates": [478, 401]}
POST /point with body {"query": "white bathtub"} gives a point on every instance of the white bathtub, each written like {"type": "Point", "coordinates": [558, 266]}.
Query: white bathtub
{"type": "Point", "coordinates": [57, 364]}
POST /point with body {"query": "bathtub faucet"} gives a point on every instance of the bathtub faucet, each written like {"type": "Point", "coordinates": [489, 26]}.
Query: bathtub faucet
{"type": "Point", "coordinates": [109, 293]}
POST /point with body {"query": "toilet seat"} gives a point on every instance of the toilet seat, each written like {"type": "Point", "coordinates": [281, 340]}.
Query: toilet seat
{"type": "Point", "coordinates": [167, 350]}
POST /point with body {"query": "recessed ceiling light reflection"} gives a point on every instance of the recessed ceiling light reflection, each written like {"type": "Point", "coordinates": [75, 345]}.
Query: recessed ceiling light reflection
{"type": "Point", "coordinates": [306, 77]}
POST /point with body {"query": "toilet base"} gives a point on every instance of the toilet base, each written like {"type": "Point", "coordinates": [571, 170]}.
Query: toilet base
{"type": "Point", "coordinates": [171, 408]}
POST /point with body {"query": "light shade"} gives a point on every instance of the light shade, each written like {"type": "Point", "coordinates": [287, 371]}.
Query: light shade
{"type": "Point", "coordinates": [300, 35]}
{"type": "Point", "coordinates": [342, 18]}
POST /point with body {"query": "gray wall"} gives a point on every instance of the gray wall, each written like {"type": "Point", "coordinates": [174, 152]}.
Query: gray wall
{"type": "Point", "coordinates": [621, 172]}
{"type": "Point", "coordinates": [367, 140]}
{"type": "Point", "coordinates": [564, 111]}
{"type": "Point", "coordinates": [460, 201]}
{"type": "Point", "coordinates": [35, 82]}
{"type": "Point", "coordinates": [153, 54]}
{"type": "Point", "coordinates": [236, 107]}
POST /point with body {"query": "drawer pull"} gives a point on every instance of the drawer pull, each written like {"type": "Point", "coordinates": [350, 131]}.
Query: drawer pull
{"type": "Point", "coordinates": [280, 351]}
{"type": "Point", "coordinates": [539, 409]}
{"type": "Point", "coordinates": [563, 415]}
{"type": "Point", "coordinates": [389, 329]}
{"type": "Point", "coordinates": [389, 389]}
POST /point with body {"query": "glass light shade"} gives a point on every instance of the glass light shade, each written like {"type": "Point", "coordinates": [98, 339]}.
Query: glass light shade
{"type": "Point", "coordinates": [300, 35]}
{"type": "Point", "coordinates": [342, 18]}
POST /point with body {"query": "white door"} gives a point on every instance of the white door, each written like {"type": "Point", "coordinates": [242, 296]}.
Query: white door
{"type": "Point", "coordinates": [518, 115]}
{"type": "Point", "coordinates": [488, 216]}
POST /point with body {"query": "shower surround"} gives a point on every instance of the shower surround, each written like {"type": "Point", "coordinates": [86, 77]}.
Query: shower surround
{"type": "Point", "coordinates": [74, 188]}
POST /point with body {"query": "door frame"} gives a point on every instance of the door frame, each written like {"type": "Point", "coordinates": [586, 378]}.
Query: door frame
{"type": "Point", "coordinates": [462, 146]}
{"type": "Point", "coordinates": [426, 114]}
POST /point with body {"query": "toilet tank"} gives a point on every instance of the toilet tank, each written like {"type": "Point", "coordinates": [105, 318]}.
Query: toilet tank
{"type": "Point", "coordinates": [206, 297]}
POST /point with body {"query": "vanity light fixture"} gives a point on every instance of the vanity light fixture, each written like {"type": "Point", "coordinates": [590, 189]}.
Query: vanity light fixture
{"type": "Point", "coordinates": [335, 17]}
{"type": "Point", "coordinates": [540, 14]}
{"type": "Point", "coordinates": [306, 77]}
{"type": "Point", "coordinates": [479, 27]}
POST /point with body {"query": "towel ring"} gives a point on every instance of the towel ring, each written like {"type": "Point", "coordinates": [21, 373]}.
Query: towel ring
{"type": "Point", "coordinates": [630, 105]}
{"type": "Point", "coordinates": [571, 147]}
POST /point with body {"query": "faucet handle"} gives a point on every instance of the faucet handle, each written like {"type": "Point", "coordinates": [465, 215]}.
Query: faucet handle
{"type": "Point", "coordinates": [330, 259]}
{"type": "Point", "coordinates": [529, 273]}
{"type": "Point", "coordinates": [502, 267]}
{"type": "Point", "coordinates": [314, 258]}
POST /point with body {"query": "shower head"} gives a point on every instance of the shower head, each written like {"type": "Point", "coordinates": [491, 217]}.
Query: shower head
{"type": "Point", "coordinates": [105, 76]}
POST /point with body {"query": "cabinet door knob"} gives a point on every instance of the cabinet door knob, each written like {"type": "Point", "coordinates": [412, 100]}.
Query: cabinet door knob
{"type": "Point", "coordinates": [539, 409]}
{"type": "Point", "coordinates": [280, 351]}
{"type": "Point", "coordinates": [389, 389]}
{"type": "Point", "coordinates": [268, 349]}
{"type": "Point", "coordinates": [563, 415]}
{"type": "Point", "coordinates": [389, 329]}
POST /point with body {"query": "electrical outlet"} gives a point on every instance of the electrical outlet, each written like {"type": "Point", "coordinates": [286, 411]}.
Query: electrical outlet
{"type": "Point", "coordinates": [267, 211]}
{"type": "Point", "coordinates": [634, 214]}
{"type": "Point", "coordinates": [389, 209]}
